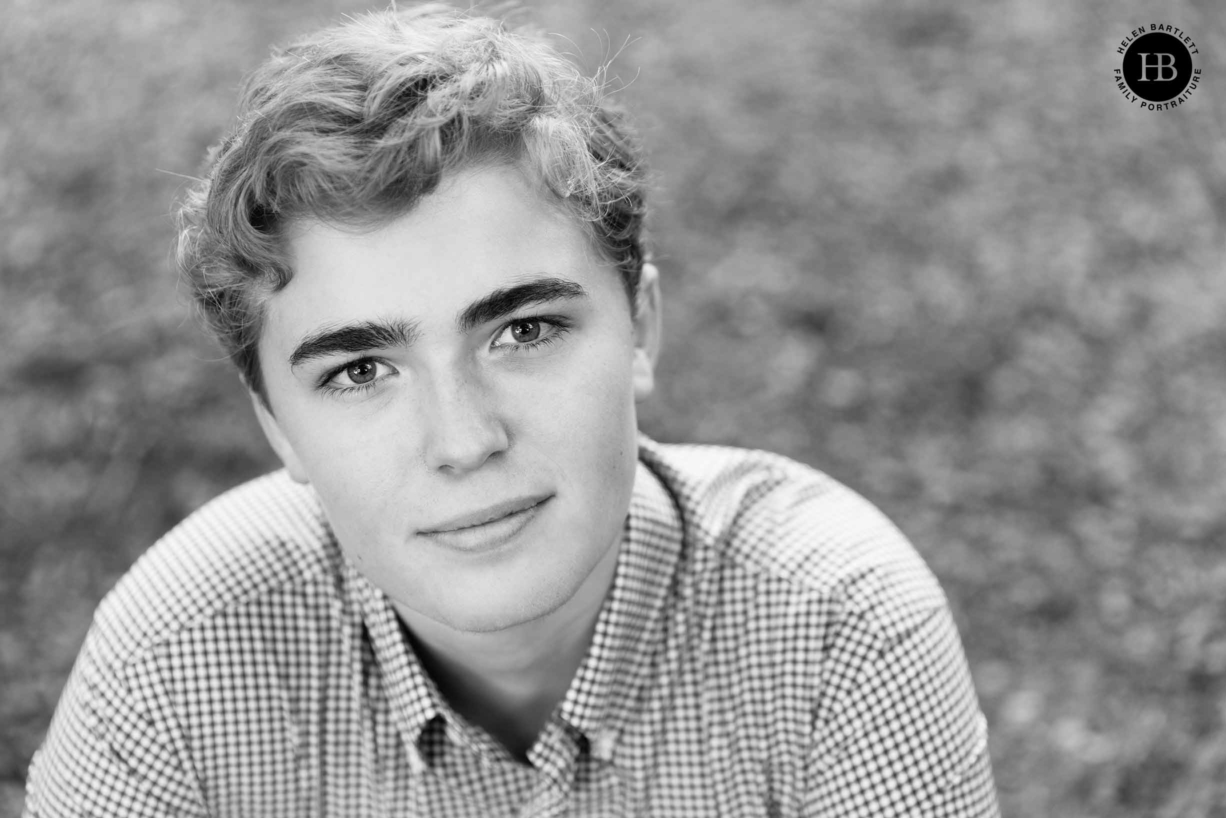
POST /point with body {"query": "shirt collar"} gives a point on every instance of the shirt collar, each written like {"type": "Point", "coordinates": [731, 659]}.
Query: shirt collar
{"type": "Point", "coordinates": [628, 635]}
{"type": "Point", "coordinates": [630, 628]}
{"type": "Point", "coordinates": [413, 698]}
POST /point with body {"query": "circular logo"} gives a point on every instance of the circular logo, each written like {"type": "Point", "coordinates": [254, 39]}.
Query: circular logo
{"type": "Point", "coordinates": [1159, 70]}
{"type": "Point", "coordinates": [1157, 67]}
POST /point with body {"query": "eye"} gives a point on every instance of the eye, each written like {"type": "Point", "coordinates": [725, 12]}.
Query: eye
{"type": "Point", "coordinates": [525, 331]}
{"type": "Point", "coordinates": [522, 334]}
{"type": "Point", "coordinates": [356, 375]}
{"type": "Point", "coordinates": [361, 372]}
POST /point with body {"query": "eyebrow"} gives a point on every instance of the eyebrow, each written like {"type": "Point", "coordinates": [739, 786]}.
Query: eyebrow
{"type": "Point", "coordinates": [505, 301]}
{"type": "Point", "coordinates": [354, 338]}
{"type": "Point", "coordinates": [367, 335]}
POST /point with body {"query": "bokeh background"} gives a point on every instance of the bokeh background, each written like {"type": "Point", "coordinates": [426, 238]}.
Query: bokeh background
{"type": "Point", "coordinates": [925, 245]}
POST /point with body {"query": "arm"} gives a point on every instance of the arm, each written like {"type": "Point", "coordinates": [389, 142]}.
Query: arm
{"type": "Point", "coordinates": [111, 750]}
{"type": "Point", "coordinates": [901, 733]}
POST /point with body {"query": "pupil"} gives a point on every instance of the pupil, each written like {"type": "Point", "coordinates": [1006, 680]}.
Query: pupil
{"type": "Point", "coordinates": [526, 331]}
{"type": "Point", "coordinates": [361, 373]}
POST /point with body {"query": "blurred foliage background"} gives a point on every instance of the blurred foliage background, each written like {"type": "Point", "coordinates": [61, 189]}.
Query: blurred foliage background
{"type": "Point", "coordinates": [926, 246]}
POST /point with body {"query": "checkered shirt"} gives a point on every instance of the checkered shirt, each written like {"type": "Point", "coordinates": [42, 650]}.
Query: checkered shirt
{"type": "Point", "coordinates": [771, 646]}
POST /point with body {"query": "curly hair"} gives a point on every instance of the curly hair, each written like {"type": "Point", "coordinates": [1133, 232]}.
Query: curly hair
{"type": "Point", "coordinates": [355, 124]}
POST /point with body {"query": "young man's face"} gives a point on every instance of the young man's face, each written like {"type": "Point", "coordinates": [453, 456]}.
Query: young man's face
{"type": "Point", "coordinates": [459, 387]}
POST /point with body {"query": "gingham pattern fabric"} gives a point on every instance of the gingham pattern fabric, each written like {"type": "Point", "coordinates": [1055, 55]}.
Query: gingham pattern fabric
{"type": "Point", "coordinates": [771, 646]}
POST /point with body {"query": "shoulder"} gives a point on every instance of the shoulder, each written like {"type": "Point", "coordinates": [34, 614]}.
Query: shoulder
{"type": "Point", "coordinates": [262, 538]}
{"type": "Point", "coordinates": [766, 516]}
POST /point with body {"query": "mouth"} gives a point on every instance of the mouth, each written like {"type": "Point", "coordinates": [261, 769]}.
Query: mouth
{"type": "Point", "coordinates": [487, 528]}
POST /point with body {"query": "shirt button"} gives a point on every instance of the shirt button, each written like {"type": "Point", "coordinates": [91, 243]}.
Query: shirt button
{"type": "Point", "coordinates": [544, 805]}
{"type": "Point", "coordinates": [602, 747]}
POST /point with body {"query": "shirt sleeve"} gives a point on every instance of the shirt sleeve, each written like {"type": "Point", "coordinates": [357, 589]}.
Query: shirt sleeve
{"type": "Point", "coordinates": [901, 732]}
{"type": "Point", "coordinates": [110, 750]}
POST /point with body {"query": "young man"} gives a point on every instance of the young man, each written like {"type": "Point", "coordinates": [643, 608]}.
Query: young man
{"type": "Point", "coordinates": [475, 589]}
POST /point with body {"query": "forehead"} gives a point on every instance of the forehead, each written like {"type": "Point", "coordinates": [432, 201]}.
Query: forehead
{"type": "Point", "coordinates": [491, 202]}
{"type": "Point", "coordinates": [482, 229]}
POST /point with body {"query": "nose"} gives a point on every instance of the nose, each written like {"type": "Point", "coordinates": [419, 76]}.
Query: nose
{"type": "Point", "coordinates": [463, 426]}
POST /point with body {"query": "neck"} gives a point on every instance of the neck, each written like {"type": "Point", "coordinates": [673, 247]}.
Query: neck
{"type": "Point", "coordinates": [509, 682]}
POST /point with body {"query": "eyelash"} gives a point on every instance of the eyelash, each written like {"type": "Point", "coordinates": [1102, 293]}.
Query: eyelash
{"type": "Point", "coordinates": [559, 327]}
{"type": "Point", "coordinates": [558, 324]}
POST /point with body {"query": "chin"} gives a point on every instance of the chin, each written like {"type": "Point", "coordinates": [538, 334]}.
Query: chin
{"type": "Point", "coordinates": [500, 609]}
{"type": "Point", "coordinates": [490, 622]}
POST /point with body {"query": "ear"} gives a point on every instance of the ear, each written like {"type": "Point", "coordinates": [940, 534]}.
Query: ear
{"type": "Point", "coordinates": [647, 328]}
{"type": "Point", "coordinates": [277, 439]}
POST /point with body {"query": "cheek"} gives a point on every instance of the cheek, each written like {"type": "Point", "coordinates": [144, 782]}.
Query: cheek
{"type": "Point", "coordinates": [354, 474]}
{"type": "Point", "coordinates": [592, 407]}
{"type": "Point", "coordinates": [598, 434]}
{"type": "Point", "coordinates": [335, 439]}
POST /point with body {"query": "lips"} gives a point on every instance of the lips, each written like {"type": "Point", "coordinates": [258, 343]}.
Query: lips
{"type": "Point", "coordinates": [489, 514]}
{"type": "Point", "coordinates": [488, 531]}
